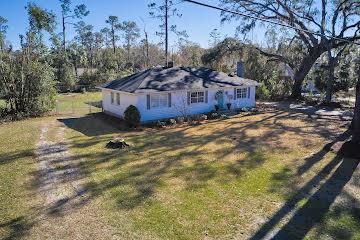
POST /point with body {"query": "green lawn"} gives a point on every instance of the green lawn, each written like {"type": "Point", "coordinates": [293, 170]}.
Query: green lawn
{"type": "Point", "coordinates": [219, 180]}
{"type": "Point", "coordinates": [77, 103]}
{"type": "Point", "coordinates": [17, 158]}
{"type": "Point", "coordinates": [223, 179]}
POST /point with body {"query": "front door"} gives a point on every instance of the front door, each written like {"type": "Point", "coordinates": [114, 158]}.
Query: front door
{"type": "Point", "coordinates": [220, 99]}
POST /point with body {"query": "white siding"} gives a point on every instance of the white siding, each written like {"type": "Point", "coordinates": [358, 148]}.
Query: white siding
{"type": "Point", "coordinates": [179, 104]}
{"type": "Point", "coordinates": [244, 102]}
{"type": "Point", "coordinates": [114, 109]}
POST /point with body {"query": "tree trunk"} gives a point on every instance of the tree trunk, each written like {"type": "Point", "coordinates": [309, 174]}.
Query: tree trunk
{"type": "Point", "coordinates": [356, 119]}
{"type": "Point", "coordinates": [299, 78]}
{"type": "Point", "coordinates": [306, 64]}
{"type": "Point", "coordinates": [330, 82]}
{"type": "Point", "coordinates": [76, 71]}
{"type": "Point", "coordinates": [1, 48]}
{"type": "Point", "coordinates": [113, 38]}
{"type": "Point", "coordinates": [147, 50]}
{"type": "Point", "coordinates": [63, 30]}
{"type": "Point", "coordinates": [128, 51]}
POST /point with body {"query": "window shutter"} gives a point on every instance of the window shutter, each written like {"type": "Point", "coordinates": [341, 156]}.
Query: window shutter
{"type": "Point", "coordinates": [206, 96]}
{"type": "Point", "coordinates": [248, 92]}
{"type": "Point", "coordinates": [188, 98]}
{"type": "Point", "coordinates": [169, 99]}
{"type": "Point", "coordinates": [234, 93]}
{"type": "Point", "coordinates": [148, 101]}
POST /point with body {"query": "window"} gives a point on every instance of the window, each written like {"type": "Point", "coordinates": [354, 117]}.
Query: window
{"type": "Point", "coordinates": [241, 93]}
{"type": "Point", "coordinates": [197, 97]}
{"type": "Point", "coordinates": [159, 100]}
{"type": "Point", "coordinates": [112, 97]}
{"type": "Point", "coordinates": [118, 98]}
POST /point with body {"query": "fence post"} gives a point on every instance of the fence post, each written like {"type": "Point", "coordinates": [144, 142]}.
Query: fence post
{"type": "Point", "coordinates": [90, 108]}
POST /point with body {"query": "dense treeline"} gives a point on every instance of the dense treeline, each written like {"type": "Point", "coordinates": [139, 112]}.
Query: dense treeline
{"type": "Point", "coordinates": [31, 76]}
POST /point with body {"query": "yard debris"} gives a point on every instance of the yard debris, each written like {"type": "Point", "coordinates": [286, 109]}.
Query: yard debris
{"type": "Point", "coordinates": [117, 143]}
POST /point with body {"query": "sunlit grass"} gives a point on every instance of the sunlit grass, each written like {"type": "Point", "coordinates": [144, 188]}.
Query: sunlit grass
{"type": "Point", "coordinates": [78, 103]}
{"type": "Point", "coordinates": [219, 179]}
{"type": "Point", "coordinates": [222, 179]}
{"type": "Point", "coordinates": [17, 158]}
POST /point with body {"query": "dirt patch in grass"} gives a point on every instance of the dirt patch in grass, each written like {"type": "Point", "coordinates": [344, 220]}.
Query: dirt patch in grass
{"type": "Point", "coordinates": [65, 209]}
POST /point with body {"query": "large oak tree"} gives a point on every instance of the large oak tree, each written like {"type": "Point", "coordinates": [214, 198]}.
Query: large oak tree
{"type": "Point", "coordinates": [312, 20]}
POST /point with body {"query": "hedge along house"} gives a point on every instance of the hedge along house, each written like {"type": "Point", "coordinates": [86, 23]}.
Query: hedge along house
{"type": "Point", "coordinates": [161, 93]}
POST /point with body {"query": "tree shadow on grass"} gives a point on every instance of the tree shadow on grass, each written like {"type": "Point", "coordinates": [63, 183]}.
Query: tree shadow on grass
{"type": "Point", "coordinates": [16, 228]}
{"type": "Point", "coordinates": [145, 177]}
{"type": "Point", "coordinates": [95, 124]}
{"type": "Point", "coordinates": [12, 156]}
{"type": "Point", "coordinates": [138, 173]}
{"type": "Point", "coordinates": [318, 198]}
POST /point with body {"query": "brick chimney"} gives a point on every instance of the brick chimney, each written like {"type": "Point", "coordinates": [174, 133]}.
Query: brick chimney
{"type": "Point", "coordinates": [240, 68]}
{"type": "Point", "coordinates": [170, 64]}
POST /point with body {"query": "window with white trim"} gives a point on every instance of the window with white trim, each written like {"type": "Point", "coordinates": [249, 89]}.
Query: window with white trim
{"type": "Point", "coordinates": [112, 97]}
{"type": "Point", "coordinates": [197, 97]}
{"type": "Point", "coordinates": [118, 98]}
{"type": "Point", "coordinates": [159, 100]}
{"type": "Point", "coordinates": [241, 93]}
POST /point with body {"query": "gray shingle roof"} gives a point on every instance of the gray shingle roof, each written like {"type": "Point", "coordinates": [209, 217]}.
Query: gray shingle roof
{"type": "Point", "coordinates": [176, 78]}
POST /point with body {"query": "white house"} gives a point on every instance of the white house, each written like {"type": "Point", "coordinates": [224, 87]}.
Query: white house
{"type": "Point", "coordinates": [161, 93]}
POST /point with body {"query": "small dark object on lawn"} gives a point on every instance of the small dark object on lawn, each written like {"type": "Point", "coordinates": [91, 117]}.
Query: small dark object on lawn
{"type": "Point", "coordinates": [117, 143]}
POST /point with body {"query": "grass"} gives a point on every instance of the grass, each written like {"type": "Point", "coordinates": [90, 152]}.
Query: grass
{"type": "Point", "coordinates": [17, 159]}
{"type": "Point", "coordinates": [223, 179]}
{"type": "Point", "coordinates": [75, 103]}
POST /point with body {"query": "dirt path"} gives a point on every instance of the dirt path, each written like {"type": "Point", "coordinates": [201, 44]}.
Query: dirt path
{"type": "Point", "coordinates": [66, 210]}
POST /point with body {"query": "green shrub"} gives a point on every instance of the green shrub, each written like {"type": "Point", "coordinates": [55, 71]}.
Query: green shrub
{"type": "Point", "coordinates": [160, 124]}
{"type": "Point", "coordinates": [262, 92]}
{"type": "Point", "coordinates": [224, 116]}
{"type": "Point", "coordinates": [171, 121]}
{"type": "Point", "coordinates": [213, 115]}
{"type": "Point", "coordinates": [132, 116]}
{"type": "Point", "coordinates": [180, 120]}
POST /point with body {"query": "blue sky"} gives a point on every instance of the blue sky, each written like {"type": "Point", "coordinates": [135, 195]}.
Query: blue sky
{"type": "Point", "coordinates": [197, 21]}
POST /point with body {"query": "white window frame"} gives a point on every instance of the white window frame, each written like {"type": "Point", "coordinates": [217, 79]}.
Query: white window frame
{"type": "Point", "coordinates": [241, 93]}
{"type": "Point", "coordinates": [159, 101]}
{"type": "Point", "coordinates": [118, 99]}
{"type": "Point", "coordinates": [112, 97]}
{"type": "Point", "coordinates": [197, 97]}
